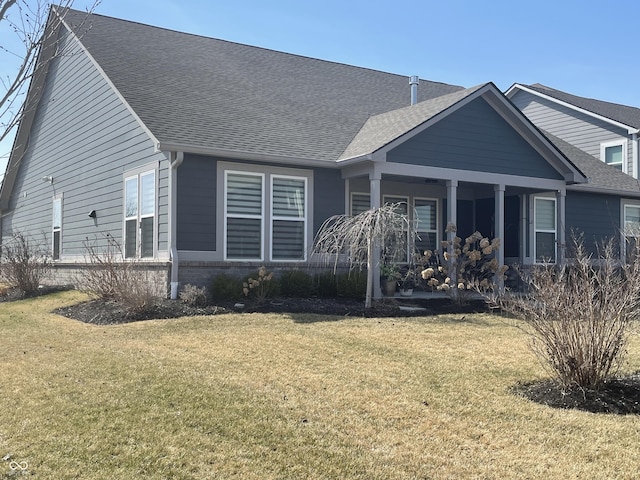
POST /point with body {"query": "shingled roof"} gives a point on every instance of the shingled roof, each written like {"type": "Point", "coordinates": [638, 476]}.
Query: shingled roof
{"type": "Point", "coordinates": [624, 114]}
{"type": "Point", "coordinates": [208, 93]}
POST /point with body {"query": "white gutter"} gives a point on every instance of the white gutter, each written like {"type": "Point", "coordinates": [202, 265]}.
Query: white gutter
{"type": "Point", "coordinates": [176, 160]}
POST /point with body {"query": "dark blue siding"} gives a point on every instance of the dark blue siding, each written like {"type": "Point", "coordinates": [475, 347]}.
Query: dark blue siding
{"type": "Point", "coordinates": [197, 204]}
{"type": "Point", "coordinates": [328, 196]}
{"type": "Point", "coordinates": [474, 137]}
{"type": "Point", "coordinates": [595, 216]}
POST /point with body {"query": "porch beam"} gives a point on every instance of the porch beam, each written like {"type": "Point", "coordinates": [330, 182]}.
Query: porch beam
{"type": "Point", "coordinates": [499, 227]}
{"type": "Point", "coordinates": [374, 202]}
{"type": "Point", "coordinates": [452, 220]}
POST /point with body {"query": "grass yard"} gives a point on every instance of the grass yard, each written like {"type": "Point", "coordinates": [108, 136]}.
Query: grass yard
{"type": "Point", "coordinates": [260, 396]}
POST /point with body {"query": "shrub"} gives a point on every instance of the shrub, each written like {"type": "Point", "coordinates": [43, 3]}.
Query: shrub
{"type": "Point", "coordinates": [296, 283]}
{"type": "Point", "coordinates": [352, 284]}
{"type": "Point", "coordinates": [260, 285]}
{"type": "Point", "coordinates": [194, 296]}
{"type": "Point", "coordinates": [578, 314]}
{"type": "Point", "coordinates": [111, 276]}
{"type": "Point", "coordinates": [325, 284]}
{"type": "Point", "coordinates": [24, 263]}
{"type": "Point", "coordinates": [225, 287]}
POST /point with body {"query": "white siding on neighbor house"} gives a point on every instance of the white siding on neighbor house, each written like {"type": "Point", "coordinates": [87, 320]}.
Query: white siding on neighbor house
{"type": "Point", "coordinates": [85, 138]}
{"type": "Point", "coordinates": [581, 130]}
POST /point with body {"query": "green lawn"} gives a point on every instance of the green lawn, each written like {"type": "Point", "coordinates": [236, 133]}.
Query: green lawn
{"type": "Point", "coordinates": [274, 396]}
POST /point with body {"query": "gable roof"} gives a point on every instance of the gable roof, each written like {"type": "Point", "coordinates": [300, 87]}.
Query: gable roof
{"type": "Point", "coordinates": [202, 93]}
{"type": "Point", "coordinates": [623, 115]}
{"type": "Point", "coordinates": [601, 176]}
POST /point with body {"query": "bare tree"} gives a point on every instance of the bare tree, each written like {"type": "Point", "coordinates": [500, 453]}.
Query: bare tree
{"type": "Point", "coordinates": [23, 33]}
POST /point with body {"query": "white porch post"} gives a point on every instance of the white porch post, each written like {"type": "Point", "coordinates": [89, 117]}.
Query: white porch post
{"type": "Point", "coordinates": [374, 202]}
{"type": "Point", "coordinates": [499, 227]}
{"type": "Point", "coordinates": [452, 219]}
{"type": "Point", "coordinates": [560, 226]}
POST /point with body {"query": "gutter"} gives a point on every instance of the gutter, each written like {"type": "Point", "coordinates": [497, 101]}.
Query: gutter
{"type": "Point", "coordinates": [176, 160]}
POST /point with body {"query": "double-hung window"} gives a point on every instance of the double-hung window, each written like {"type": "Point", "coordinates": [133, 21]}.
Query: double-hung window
{"type": "Point", "coordinates": [426, 211]}
{"type": "Point", "coordinates": [288, 217]}
{"type": "Point", "coordinates": [545, 229]}
{"type": "Point", "coordinates": [56, 228]}
{"type": "Point", "coordinates": [631, 230]}
{"type": "Point", "coordinates": [140, 214]}
{"type": "Point", "coordinates": [360, 203]}
{"type": "Point", "coordinates": [265, 209]}
{"type": "Point", "coordinates": [614, 154]}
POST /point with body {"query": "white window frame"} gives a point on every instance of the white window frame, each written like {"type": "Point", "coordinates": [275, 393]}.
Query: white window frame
{"type": "Point", "coordinates": [261, 217]}
{"type": "Point", "coordinates": [437, 230]}
{"type": "Point", "coordinates": [615, 143]}
{"type": "Point", "coordinates": [626, 204]}
{"type": "Point", "coordinates": [537, 230]}
{"type": "Point", "coordinates": [389, 199]}
{"type": "Point", "coordinates": [137, 175]}
{"type": "Point", "coordinates": [57, 202]}
{"type": "Point", "coordinates": [302, 219]}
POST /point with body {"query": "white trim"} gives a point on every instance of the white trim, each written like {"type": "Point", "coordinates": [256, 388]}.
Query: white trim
{"type": "Point", "coordinates": [137, 174]}
{"type": "Point", "coordinates": [624, 204]}
{"type": "Point", "coordinates": [542, 230]}
{"type": "Point", "coordinates": [511, 92]}
{"type": "Point", "coordinates": [621, 142]}
{"type": "Point", "coordinates": [438, 220]}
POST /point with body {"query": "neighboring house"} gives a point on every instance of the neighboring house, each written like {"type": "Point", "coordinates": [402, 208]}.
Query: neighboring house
{"type": "Point", "coordinates": [604, 130]}
{"type": "Point", "coordinates": [199, 155]}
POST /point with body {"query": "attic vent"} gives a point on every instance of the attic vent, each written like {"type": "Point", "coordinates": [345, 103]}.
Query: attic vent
{"type": "Point", "coordinates": [414, 81]}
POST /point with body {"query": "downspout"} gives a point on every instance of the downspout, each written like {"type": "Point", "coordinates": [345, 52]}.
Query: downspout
{"type": "Point", "coordinates": [176, 161]}
{"type": "Point", "coordinates": [634, 154]}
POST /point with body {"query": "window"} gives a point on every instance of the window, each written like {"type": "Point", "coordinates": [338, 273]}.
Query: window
{"type": "Point", "coordinates": [288, 214]}
{"type": "Point", "coordinates": [545, 230]}
{"type": "Point", "coordinates": [614, 154]}
{"type": "Point", "coordinates": [360, 202]}
{"type": "Point", "coordinates": [426, 211]}
{"type": "Point", "coordinates": [245, 208]}
{"type": "Point", "coordinates": [139, 216]}
{"type": "Point", "coordinates": [631, 229]}
{"type": "Point", "coordinates": [56, 228]}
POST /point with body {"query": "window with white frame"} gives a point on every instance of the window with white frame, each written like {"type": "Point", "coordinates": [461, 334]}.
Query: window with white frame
{"type": "Point", "coordinates": [402, 207]}
{"type": "Point", "coordinates": [56, 228]}
{"type": "Point", "coordinates": [631, 230]}
{"type": "Point", "coordinates": [360, 202]}
{"type": "Point", "coordinates": [139, 215]}
{"type": "Point", "coordinates": [288, 217]}
{"type": "Point", "coordinates": [545, 229]}
{"type": "Point", "coordinates": [247, 205]}
{"type": "Point", "coordinates": [614, 154]}
{"type": "Point", "coordinates": [426, 211]}
{"type": "Point", "coordinates": [244, 215]}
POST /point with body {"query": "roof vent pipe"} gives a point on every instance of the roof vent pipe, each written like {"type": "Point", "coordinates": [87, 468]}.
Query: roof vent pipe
{"type": "Point", "coordinates": [414, 81]}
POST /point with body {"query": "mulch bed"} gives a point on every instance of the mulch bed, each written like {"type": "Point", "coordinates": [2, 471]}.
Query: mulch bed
{"type": "Point", "coordinates": [617, 396]}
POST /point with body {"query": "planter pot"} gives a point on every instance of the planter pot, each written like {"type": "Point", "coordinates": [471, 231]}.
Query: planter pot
{"type": "Point", "coordinates": [389, 288]}
{"type": "Point", "coordinates": [406, 292]}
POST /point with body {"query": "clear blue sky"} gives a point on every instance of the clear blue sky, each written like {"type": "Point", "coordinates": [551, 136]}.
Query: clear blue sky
{"type": "Point", "coordinates": [583, 47]}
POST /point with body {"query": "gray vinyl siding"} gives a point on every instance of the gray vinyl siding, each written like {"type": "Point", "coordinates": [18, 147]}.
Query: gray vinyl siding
{"type": "Point", "coordinates": [196, 222]}
{"type": "Point", "coordinates": [597, 217]}
{"type": "Point", "coordinates": [328, 196]}
{"type": "Point", "coordinates": [474, 138]}
{"type": "Point", "coordinates": [86, 139]}
{"type": "Point", "coordinates": [581, 130]}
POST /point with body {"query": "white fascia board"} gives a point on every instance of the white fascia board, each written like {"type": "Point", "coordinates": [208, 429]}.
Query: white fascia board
{"type": "Point", "coordinates": [630, 130]}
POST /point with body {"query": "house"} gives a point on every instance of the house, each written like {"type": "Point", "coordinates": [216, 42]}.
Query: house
{"type": "Point", "coordinates": [199, 155]}
{"type": "Point", "coordinates": [604, 130]}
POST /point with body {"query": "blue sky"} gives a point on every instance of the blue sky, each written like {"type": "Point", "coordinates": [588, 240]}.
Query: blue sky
{"type": "Point", "coordinates": [583, 47]}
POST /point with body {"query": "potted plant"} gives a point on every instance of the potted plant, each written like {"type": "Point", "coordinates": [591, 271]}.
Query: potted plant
{"type": "Point", "coordinates": [408, 282]}
{"type": "Point", "coordinates": [389, 277]}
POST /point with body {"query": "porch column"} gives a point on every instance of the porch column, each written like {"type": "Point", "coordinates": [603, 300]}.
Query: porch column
{"type": "Point", "coordinates": [499, 228]}
{"type": "Point", "coordinates": [374, 202]}
{"type": "Point", "coordinates": [452, 220]}
{"type": "Point", "coordinates": [560, 226]}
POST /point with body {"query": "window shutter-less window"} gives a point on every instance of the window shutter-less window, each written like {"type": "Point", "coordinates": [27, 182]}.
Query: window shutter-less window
{"type": "Point", "coordinates": [288, 217]}
{"type": "Point", "coordinates": [244, 216]}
